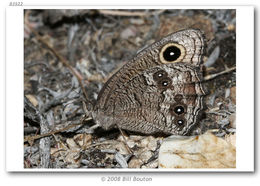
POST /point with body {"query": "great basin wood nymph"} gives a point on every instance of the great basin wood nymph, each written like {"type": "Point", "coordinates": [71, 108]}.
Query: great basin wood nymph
{"type": "Point", "coordinates": [159, 90]}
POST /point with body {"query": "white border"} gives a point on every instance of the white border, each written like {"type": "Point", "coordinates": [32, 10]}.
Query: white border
{"type": "Point", "coordinates": [245, 89]}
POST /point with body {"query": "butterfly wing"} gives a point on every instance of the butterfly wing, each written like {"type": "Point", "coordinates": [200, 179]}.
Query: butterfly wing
{"type": "Point", "coordinates": [159, 90]}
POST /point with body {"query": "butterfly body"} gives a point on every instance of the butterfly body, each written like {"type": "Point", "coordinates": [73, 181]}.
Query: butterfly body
{"type": "Point", "coordinates": [159, 90]}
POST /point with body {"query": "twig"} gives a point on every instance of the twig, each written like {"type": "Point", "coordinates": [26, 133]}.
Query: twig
{"type": "Point", "coordinates": [125, 142]}
{"type": "Point", "coordinates": [212, 76]}
{"type": "Point", "coordinates": [29, 130]}
{"type": "Point", "coordinates": [44, 144]}
{"type": "Point", "coordinates": [121, 160]}
{"type": "Point", "coordinates": [32, 138]}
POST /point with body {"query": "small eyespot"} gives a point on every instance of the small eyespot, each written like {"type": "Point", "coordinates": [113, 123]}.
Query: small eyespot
{"type": "Point", "coordinates": [180, 122]}
{"type": "Point", "coordinates": [159, 75]}
{"type": "Point", "coordinates": [165, 83]}
{"type": "Point", "coordinates": [179, 110]}
{"type": "Point", "coordinates": [172, 52]}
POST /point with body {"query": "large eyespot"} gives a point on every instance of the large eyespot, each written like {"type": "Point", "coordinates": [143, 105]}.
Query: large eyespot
{"type": "Point", "coordinates": [159, 75]}
{"type": "Point", "coordinates": [172, 53]}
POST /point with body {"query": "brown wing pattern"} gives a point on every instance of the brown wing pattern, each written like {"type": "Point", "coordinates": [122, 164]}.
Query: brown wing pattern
{"type": "Point", "coordinates": [159, 90]}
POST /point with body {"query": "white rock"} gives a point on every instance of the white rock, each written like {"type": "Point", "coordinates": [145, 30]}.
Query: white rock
{"type": "Point", "coordinates": [204, 151]}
